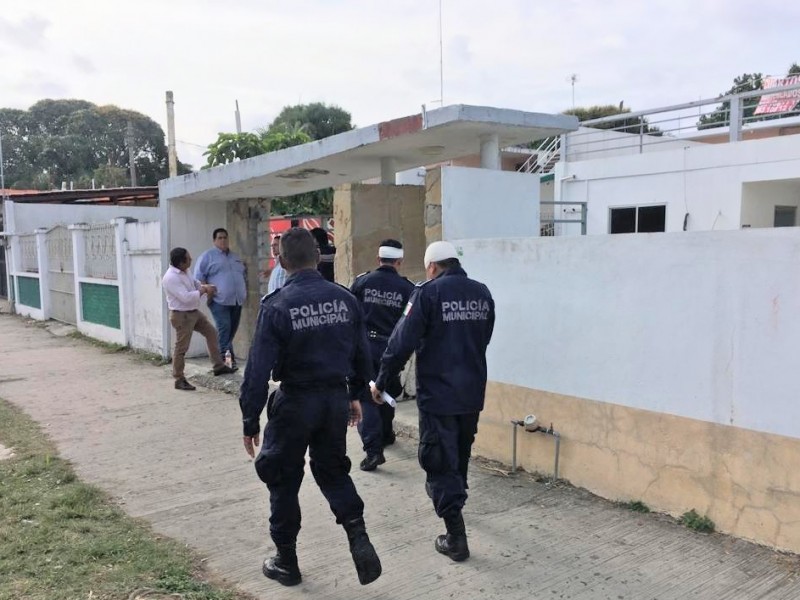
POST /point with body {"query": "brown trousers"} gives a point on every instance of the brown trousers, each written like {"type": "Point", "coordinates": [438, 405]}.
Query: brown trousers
{"type": "Point", "coordinates": [186, 323]}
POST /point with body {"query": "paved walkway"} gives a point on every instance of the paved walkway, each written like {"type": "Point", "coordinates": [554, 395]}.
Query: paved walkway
{"type": "Point", "coordinates": [175, 459]}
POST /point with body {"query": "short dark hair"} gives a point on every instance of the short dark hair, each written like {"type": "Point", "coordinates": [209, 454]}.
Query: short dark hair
{"type": "Point", "coordinates": [218, 230]}
{"type": "Point", "coordinates": [320, 235]}
{"type": "Point", "coordinates": [391, 244]}
{"type": "Point", "coordinates": [177, 256]}
{"type": "Point", "coordinates": [298, 249]}
{"type": "Point", "coordinates": [449, 263]}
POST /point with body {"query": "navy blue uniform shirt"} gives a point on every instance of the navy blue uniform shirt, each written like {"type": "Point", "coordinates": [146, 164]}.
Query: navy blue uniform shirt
{"type": "Point", "coordinates": [449, 322]}
{"type": "Point", "coordinates": [383, 294]}
{"type": "Point", "coordinates": [310, 335]}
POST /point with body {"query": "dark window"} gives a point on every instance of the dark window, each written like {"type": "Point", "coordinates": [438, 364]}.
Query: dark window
{"type": "Point", "coordinates": [785, 216]}
{"type": "Point", "coordinates": [651, 219]}
{"type": "Point", "coordinates": [641, 219]}
{"type": "Point", "coordinates": [623, 220]}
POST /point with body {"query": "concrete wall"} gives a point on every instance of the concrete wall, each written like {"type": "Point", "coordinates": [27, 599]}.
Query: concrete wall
{"type": "Point", "coordinates": [28, 217]}
{"type": "Point", "coordinates": [704, 181]}
{"type": "Point", "coordinates": [189, 225]}
{"type": "Point", "coordinates": [591, 144]}
{"type": "Point", "coordinates": [760, 199]}
{"type": "Point", "coordinates": [142, 255]}
{"type": "Point", "coordinates": [666, 362]}
{"type": "Point", "coordinates": [365, 214]}
{"type": "Point", "coordinates": [463, 202]}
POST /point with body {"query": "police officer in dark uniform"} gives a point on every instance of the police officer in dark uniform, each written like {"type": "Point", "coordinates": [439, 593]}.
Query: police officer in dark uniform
{"type": "Point", "coordinates": [449, 322]}
{"type": "Point", "coordinates": [383, 294]}
{"type": "Point", "coordinates": [310, 336]}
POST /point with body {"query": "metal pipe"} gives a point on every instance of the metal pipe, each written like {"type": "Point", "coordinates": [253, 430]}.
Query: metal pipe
{"type": "Point", "coordinates": [550, 431]}
{"type": "Point", "coordinates": [514, 446]}
{"type": "Point", "coordinates": [558, 448]}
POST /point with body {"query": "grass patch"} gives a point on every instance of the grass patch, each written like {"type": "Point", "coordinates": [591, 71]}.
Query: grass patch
{"type": "Point", "coordinates": [107, 346]}
{"type": "Point", "coordinates": [61, 539]}
{"type": "Point", "coordinates": [635, 506]}
{"type": "Point", "coordinates": [694, 521]}
{"type": "Point", "coordinates": [142, 355]}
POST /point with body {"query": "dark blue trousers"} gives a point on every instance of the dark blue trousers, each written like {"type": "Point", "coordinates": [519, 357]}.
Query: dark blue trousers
{"type": "Point", "coordinates": [316, 421]}
{"type": "Point", "coordinates": [445, 444]}
{"type": "Point", "coordinates": [377, 419]}
{"type": "Point", "coordinates": [227, 320]}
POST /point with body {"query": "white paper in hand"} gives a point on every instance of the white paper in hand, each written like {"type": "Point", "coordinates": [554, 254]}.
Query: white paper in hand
{"type": "Point", "coordinates": [386, 397]}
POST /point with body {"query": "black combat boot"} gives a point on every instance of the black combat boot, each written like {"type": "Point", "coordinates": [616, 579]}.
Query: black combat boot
{"type": "Point", "coordinates": [454, 543]}
{"type": "Point", "coordinates": [368, 565]}
{"type": "Point", "coordinates": [283, 566]}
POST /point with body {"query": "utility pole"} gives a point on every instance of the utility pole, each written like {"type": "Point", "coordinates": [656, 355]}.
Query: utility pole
{"type": "Point", "coordinates": [3, 194]}
{"type": "Point", "coordinates": [238, 119]}
{"type": "Point", "coordinates": [441, 58]}
{"type": "Point", "coordinates": [173, 156]}
{"type": "Point", "coordinates": [131, 152]}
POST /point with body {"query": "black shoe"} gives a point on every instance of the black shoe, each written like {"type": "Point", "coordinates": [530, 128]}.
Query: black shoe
{"type": "Point", "coordinates": [224, 370]}
{"type": "Point", "coordinates": [454, 546]}
{"type": "Point", "coordinates": [389, 439]}
{"type": "Point", "coordinates": [283, 567]}
{"type": "Point", "coordinates": [368, 565]}
{"type": "Point", "coordinates": [371, 462]}
{"type": "Point", "coordinates": [182, 384]}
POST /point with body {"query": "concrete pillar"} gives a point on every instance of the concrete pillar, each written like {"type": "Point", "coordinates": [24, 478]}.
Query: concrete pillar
{"type": "Point", "coordinates": [365, 214]}
{"type": "Point", "coordinates": [247, 219]}
{"type": "Point", "coordinates": [79, 267]}
{"type": "Point", "coordinates": [388, 170]}
{"type": "Point", "coordinates": [44, 271]}
{"type": "Point", "coordinates": [124, 284]}
{"type": "Point", "coordinates": [490, 152]}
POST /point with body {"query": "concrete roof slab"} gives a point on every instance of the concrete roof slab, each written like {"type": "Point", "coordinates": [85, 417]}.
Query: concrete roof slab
{"type": "Point", "coordinates": [439, 135]}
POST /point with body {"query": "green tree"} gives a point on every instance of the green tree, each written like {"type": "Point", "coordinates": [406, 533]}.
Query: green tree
{"type": "Point", "coordinates": [318, 120]}
{"type": "Point", "coordinates": [297, 124]}
{"type": "Point", "coordinates": [747, 82]}
{"type": "Point", "coordinates": [231, 147]}
{"type": "Point", "coordinates": [70, 140]}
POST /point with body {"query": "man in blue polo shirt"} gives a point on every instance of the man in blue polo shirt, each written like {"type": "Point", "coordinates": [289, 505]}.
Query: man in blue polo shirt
{"type": "Point", "coordinates": [225, 270]}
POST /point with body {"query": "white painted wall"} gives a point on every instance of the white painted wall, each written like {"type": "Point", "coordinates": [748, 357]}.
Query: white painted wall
{"type": "Point", "coordinates": [760, 199]}
{"type": "Point", "coordinates": [28, 217]}
{"type": "Point", "coordinates": [189, 224]}
{"type": "Point", "coordinates": [144, 306]}
{"type": "Point", "coordinates": [590, 144]}
{"type": "Point", "coordinates": [700, 325]}
{"type": "Point", "coordinates": [482, 202]}
{"type": "Point", "coordinates": [705, 181]}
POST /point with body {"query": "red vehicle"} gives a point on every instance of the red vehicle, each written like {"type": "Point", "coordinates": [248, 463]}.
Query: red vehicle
{"type": "Point", "coordinates": [280, 224]}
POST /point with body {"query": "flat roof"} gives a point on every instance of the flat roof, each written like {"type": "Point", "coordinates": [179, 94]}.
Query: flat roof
{"type": "Point", "coordinates": [137, 195]}
{"type": "Point", "coordinates": [435, 136]}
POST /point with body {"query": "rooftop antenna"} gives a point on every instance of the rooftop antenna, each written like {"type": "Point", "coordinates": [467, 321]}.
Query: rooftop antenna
{"type": "Point", "coordinates": [238, 119]}
{"type": "Point", "coordinates": [573, 79]}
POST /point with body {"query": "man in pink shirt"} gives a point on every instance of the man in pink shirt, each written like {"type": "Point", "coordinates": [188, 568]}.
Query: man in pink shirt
{"type": "Point", "coordinates": [183, 300]}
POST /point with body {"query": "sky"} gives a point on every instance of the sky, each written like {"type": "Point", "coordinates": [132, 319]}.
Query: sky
{"type": "Point", "coordinates": [380, 59]}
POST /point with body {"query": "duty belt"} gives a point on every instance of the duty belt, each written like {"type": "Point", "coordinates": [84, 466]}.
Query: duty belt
{"type": "Point", "coordinates": [313, 386]}
{"type": "Point", "coordinates": [374, 335]}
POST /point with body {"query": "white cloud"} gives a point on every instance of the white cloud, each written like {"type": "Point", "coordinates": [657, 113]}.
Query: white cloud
{"type": "Point", "coordinates": [380, 60]}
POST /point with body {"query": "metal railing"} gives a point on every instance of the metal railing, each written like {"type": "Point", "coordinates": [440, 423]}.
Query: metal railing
{"type": "Point", "coordinates": [554, 215]}
{"type": "Point", "coordinates": [727, 118]}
